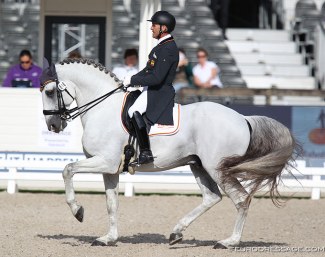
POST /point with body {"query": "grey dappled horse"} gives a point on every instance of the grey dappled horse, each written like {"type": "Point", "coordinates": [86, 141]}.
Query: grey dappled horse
{"type": "Point", "coordinates": [214, 140]}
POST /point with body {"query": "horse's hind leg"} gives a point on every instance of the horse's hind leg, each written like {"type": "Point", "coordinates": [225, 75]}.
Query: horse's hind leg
{"type": "Point", "coordinates": [238, 195]}
{"type": "Point", "coordinates": [210, 194]}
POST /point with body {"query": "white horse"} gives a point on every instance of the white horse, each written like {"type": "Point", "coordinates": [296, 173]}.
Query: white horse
{"type": "Point", "coordinates": [222, 147]}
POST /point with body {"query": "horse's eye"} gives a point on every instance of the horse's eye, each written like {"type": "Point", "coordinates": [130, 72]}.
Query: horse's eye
{"type": "Point", "coordinates": [49, 92]}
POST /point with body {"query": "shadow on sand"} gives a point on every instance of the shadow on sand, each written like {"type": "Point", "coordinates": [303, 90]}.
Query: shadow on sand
{"type": "Point", "coordinates": [140, 238]}
{"type": "Point", "coordinates": [149, 238]}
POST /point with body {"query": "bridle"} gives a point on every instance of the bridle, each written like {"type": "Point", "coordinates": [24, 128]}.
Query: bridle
{"type": "Point", "coordinates": [71, 114]}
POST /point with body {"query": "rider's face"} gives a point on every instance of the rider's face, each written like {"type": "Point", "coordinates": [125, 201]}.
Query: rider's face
{"type": "Point", "coordinates": [155, 28]}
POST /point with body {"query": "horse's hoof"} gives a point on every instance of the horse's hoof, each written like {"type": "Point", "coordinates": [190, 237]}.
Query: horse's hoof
{"type": "Point", "coordinates": [80, 214]}
{"type": "Point", "coordinates": [219, 246]}
{"type": "Point", "coordinates": [100, 243]}
{"type": "Point", "coordinates": [175, 238]}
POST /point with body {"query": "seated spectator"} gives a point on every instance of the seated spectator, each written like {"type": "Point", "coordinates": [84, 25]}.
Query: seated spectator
{"type": "Point", "coordinates": [184, 72]}
{"type": "Point", "coordinates": [130, 66]}
{"type": "Point", "coordinates": [75, 54]}
{"type": "Point", "coordinates": [25, 74]}
{"type": "Point", "coordinates": [206, 73]}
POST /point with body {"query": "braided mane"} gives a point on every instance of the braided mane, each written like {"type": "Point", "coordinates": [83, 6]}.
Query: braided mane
{"type": "Point", "coordinates": [95, 64]}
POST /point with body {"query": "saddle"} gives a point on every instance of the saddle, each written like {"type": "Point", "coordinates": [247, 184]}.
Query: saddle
{"type": "Point", "coordinates": [152, 129]}
{"type": "Point", "coordinates": [126, 121]}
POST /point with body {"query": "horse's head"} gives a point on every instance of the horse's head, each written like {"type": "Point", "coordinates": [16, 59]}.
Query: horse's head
{"type": "Point", "coordinates": [60, 87]}
{"type": "Point", "coordinates": [57, 96]}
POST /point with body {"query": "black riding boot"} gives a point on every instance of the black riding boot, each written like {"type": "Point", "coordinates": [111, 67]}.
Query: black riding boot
{"type": "Point", "coordinates": [139, 125]}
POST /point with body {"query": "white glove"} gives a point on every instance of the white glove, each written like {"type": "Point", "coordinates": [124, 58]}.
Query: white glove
{"type": "Point", "coordinates": [127, 80]}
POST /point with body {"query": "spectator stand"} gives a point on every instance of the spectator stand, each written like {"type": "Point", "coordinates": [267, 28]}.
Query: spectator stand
{"type": "Point", "coordinates": [320, 50]}
{"type": "Point", "coordinates": [19, 28]}
{"type": "Point", "coordinates": [303, 27]}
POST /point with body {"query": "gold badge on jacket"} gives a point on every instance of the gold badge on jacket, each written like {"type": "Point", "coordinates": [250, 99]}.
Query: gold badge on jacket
{"type": "Point", "coordinates": [152, 63]}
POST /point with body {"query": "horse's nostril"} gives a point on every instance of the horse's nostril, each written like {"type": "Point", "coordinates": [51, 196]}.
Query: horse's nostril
{"type": "Point", "coordinates": [53, 128]}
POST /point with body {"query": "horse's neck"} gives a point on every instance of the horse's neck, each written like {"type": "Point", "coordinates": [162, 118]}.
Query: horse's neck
{"type": "Point", "coordinates": [90, 85]}
{"type": "Point", "coordinates": [106, 114]}
{"type": "Point", "coordinates": [106, 111]}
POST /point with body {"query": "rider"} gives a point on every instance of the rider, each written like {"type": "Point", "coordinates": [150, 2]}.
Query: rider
{"type": "Point", "coordinates": [157, 97]}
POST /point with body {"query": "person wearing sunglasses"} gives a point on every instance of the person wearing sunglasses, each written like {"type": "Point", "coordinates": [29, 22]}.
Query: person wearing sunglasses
{"type": "Point", "coordinates": [25, 74]}
{"type": "Point", "coordinates": [206, 73]}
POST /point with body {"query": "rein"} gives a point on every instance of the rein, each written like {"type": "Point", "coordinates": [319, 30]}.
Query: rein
{"type": "Point", "coordinates": [66, 114]}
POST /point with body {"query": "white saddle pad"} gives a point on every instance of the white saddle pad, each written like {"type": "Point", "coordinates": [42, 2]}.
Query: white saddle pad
{"type": "Point", "coordinates": [158, 129]}
{"type": "Point", "coordinates": [165, 130]}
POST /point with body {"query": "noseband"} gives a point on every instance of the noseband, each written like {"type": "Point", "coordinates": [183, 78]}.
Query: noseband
{"type": "Point", "coordinates": [71, 114]}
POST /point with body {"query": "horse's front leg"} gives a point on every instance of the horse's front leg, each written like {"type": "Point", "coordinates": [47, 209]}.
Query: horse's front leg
{"type": "Point", "coordinates": [95, 164]}
{"type": "Point", "coordinates": [111, 189]}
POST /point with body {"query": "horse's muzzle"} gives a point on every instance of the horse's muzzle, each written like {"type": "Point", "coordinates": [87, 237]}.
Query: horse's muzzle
{"type": "Point", "coordinates": [57, 128]}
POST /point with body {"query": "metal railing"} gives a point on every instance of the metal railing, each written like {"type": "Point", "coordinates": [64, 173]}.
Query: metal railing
{"type": "Point", "coordinates": [199, 94]}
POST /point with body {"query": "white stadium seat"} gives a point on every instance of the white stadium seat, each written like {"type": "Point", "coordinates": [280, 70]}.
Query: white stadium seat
{"type": "Point", "coordinates": [258, 35]}
{"type": "Point", "coordinates": [279, 82]}
{"type": "Point", "coordinates": [275, 70]}
{"type": "Point", "coordinates": [255, 58]}
{"type": "Point", "coordinates": [258, 47]}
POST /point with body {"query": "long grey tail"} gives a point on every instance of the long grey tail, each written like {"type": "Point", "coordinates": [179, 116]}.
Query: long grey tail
{"type": "Point", "coordinates": [272, 148]}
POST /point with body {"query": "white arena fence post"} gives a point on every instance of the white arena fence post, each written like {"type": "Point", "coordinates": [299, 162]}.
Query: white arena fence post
{"type": "Point", "coordinates": [315, 193]}
{"type": "Point", "coordinates": [12, 186]}
{"type": "Point", "coordinates": [129, 187]}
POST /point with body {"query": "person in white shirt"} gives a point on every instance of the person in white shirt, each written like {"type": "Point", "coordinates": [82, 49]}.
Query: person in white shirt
{"type": "Point", "coordinates": [130, 66]}
{"type": "Point", "coordinates": [206, 73]}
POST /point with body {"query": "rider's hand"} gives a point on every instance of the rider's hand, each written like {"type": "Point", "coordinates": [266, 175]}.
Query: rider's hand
{"type": "Point", "coordinates": [127, 80]}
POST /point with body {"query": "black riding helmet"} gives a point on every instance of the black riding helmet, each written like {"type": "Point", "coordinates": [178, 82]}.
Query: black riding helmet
{"type": "Point", "coordinates": [164, 18]}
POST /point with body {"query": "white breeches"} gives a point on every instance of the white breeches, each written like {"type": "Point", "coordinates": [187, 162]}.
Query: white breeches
{"type": "Point", "coordinates": [140, 105]}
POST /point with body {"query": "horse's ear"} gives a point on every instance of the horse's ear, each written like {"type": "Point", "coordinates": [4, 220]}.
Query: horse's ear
{"type": "Point", "coordinates": [53, 71]}
{"type": "Point", "coordinates": [50, 69]}
{"type": "Point", "coordinates": [49, 72]}
{"type": "Point", "coordinates": [45, 63]}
